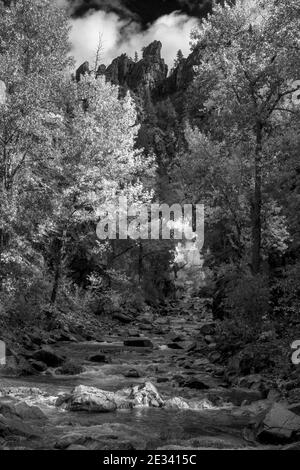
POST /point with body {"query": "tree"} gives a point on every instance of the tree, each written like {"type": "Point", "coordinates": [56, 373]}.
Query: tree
{"type": "Point", "coordinates": [250, 58]}
{"type": "Point", "coordinates": [179, 58]}
{"type": "Point", "coordinates": [100, 164]}
{"type": "Point", "coordinates": [34, 56]}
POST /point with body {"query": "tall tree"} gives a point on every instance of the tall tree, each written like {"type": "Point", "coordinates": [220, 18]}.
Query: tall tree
{"type": "Point", "coordinates": [249, 62]}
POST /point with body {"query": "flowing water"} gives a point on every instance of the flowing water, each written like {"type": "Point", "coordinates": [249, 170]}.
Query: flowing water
{"type": "Point", "coordinates": [155, 427]}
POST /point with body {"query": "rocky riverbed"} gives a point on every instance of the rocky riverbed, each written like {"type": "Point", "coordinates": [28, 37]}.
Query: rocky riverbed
{"type": "Point", "coordinates": [145, 384]}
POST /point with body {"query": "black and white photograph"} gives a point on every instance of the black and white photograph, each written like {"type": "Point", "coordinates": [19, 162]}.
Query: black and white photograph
{"type": "Point", "coordinates": [149, 229]}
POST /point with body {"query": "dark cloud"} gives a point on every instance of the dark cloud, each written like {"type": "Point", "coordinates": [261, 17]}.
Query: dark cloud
{"type": "Point", "coordinates": [143, 11]}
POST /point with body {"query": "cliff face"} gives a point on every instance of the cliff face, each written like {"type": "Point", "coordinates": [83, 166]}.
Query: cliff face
{"type": "Point", "coordinates": [148, 73]}
{"type": "Point", "coordinates": [161, 98]}
{"type": "Point", "coordinates": [149, 76]}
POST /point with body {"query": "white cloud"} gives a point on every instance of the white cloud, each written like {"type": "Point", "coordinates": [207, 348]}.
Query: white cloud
{"type": "Point", "coordinates": [117, 36]}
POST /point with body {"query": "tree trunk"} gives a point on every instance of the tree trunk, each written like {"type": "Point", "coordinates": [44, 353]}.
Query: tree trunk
{"type": "Point", "coordinates": [55, 284]}
{"type": "Point", "coordinates": [58, 266]}
{"type": "Point", "coordinates": [140, 263]}
{"type": "Point", "coordinates": [257, 201]}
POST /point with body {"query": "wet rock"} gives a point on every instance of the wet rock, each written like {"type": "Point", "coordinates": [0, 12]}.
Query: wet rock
{"type": "Point", "coordinates": [48, 356]}
{"type": "Point", "coordinates": [208, 329]}
{"type": "Point", "coordinates": [109, 436]}
{"type": "Point", "coordinates": [22, 411]}
{"type": "Point", "coordinates": [77, 447]}
{"type": "Point", "coordinates": [209, 339]}
{"type": "Point", "coordinates": [180, 379]}
{"type": "Point", "coordinates": [133, 333]}
{"type": "Point", "coordinates": [16, 367]}
{"type": "Point", "coordinates": [235, 395]}
{"type": "Point", "coordinates": [132, 374]}
{"type": "Point", "coordinates": [66, 336]}
{"type": "Point", "coordinates": [138, 343]}
{"type": "Point", "coordinates": [279, 425]}
{"type": "Point", "coordinates": [121, 317]}
{"type": "Point", "coordinates": [36, 339]}
{"type": "Point", "coordinates": [70, 368]}
{"type": "Point", "coordinates": [15, 426]}
{"type": "Point", "coordinates": [99, 358]}
{"type": "Point", "coordinates": [293, 446]}
{"type": "Point", "coordinates": [174, 346]}
{"type": "Point", "coordinates": [146, 395]}
{"type": "Point", "coordinates": [274, 395]}
{"type": "Point", "coordinates": [91, 399]}
{"type": "Point", "coordinates": [203, 361]}
{"type": "Point", "coordinates": [176, 403]}
{"type": "Point", "coordinates": [200, 405]}
{"type": "Point", "coordinates": [294, 395]}
{"type": "Point", "coordinates": [201, 383]}
{"type": "Point", "coordinates": [146, 327]}
{"type": "Point", "coordinates": [162, 380]}
{"type": "Point", "coordinates": [176, 338]}
{"type": "Point", "coordinates": [295, 408]}
{"type": "Point", "coordinates": [254, 382]}
{"type": "Point", "coordinates": [215, 356]}
{"type": "Point", "coordinates": [38, 365]}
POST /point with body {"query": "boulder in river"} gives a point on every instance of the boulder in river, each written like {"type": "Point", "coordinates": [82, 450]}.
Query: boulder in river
{"type": "Point", "coordinates": [22, 411]}
{"type": "Point", "coordinates": [146, 395]}
{"type": "Point", "coordinates": [279, 425]}
{"type": "Point", "coordinates": [176, 403]}
{"type": "Point", "coordinates": [99, 358]}
{"type": "Point", "coordinates": [85, 398]}
{"type": "Point", "coordinates": [235, 395]}
{"type": "Point", "coordinates": [93, 399]}
{"type": "Point", "coordinates": [138, 343]}
{"type": "Point", "coordinates": [15, 427]}
{"type": "Point", "coordinates": [48, 356]}
{"type": "Point", "coordinates": [132, 374]}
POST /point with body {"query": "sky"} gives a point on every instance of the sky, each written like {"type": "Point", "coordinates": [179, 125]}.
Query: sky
{"type": "Point", "coordinates": [117, 36]}
{"type": "Point", "coordinates": [128, 25]}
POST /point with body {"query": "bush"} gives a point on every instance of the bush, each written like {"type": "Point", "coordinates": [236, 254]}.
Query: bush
{"type": "Point", "coordinates": [248, 299]}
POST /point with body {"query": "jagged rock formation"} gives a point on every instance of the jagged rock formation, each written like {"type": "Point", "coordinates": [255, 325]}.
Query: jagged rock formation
{"type": "Point", "coordinates": [149, 75]}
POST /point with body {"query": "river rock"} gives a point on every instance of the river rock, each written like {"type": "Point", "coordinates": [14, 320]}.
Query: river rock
{"type": "Point", "coordinates": [121, 317]}
{"type": "Point", "coordinates": [39, 366]}
{"type": "Point", "coordinates": [108, 436]}
{"type": "Point", "coordinates": [207, 329]}
{"type": "Point", "coordinates": [237, 396]}
{"type": "Point", "coordinates": [174, 346]}
{"type": "Point", "coordinates": [146, 395]}
{"type": "Point", "coordinates": [15, 426]}
{"type": "Point", "coordinates": [279, 424]}
{"type": "Point", "coordinates": [176, 403]}
{"type": "Point", "coordinates": [93, 399]}
{"type": "Point", "coordinates": [70, 368]}
{"type": "Point", "coordinates": [200, 383]}
{"type": "Point", "coordinates": [22, 411]}
{"type": "Point", "coordinates": [138, 343]}
{"type": "Point", "coordinates": [98, 358]}
{"type": "Point", "coordinates": [48, 356]}
{"type": "Point", "coordinates": [132, 374]}
{"type": "Point", "coordinates": [254, 382]}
